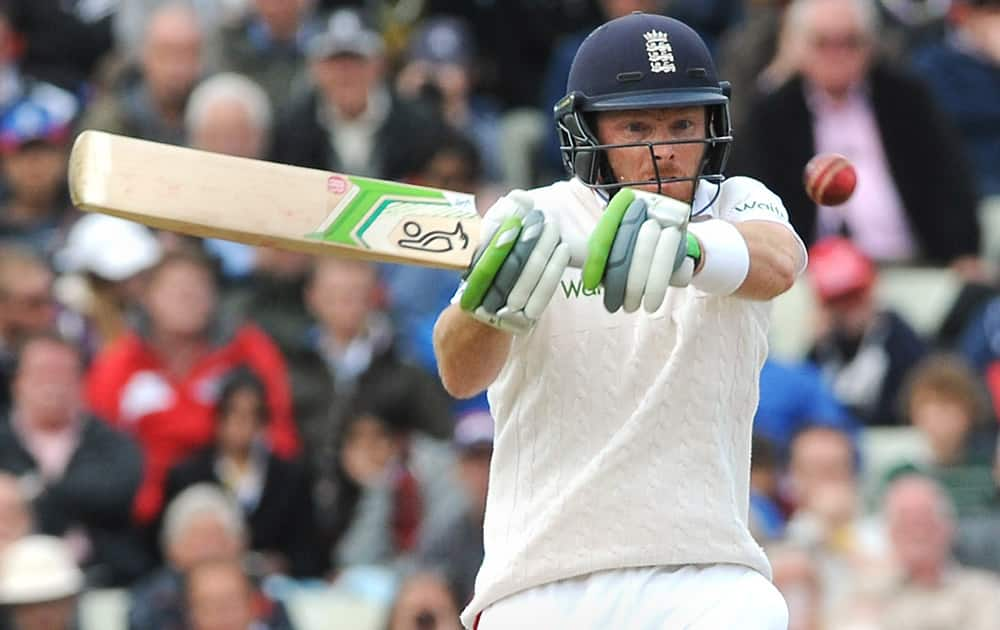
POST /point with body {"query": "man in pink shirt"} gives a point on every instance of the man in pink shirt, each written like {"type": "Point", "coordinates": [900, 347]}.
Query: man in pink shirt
{"type": "Point", "coordinates": [915, 200]}
{"type": "Point", "coordinates": [81, 474]}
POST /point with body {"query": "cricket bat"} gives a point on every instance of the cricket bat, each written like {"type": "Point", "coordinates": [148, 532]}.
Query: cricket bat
{"type": "Point", "coordinates": [269, 204]}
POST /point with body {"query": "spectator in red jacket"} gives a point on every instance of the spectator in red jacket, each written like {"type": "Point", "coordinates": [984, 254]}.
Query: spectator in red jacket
{"type": "Point", "coordinates": [160, 381]}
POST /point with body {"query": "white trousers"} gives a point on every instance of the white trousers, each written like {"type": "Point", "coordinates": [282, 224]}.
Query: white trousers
{"type": "Point", "coordinates": [712, 597]}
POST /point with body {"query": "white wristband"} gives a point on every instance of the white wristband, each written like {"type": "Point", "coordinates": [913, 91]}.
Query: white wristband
{"type": "Point", "coordinates": [724, 254]}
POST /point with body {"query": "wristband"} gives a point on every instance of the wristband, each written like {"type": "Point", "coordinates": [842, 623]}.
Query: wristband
{"type": "Point", "coordinates": [725, 259]}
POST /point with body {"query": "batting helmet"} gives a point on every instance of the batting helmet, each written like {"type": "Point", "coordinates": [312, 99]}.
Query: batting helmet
{"type": "Point", "coordinates": [640, 61]}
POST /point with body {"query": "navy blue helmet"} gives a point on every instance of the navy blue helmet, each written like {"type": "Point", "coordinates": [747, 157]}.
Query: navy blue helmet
{"type": "Point", "coordinates": [640, 61]}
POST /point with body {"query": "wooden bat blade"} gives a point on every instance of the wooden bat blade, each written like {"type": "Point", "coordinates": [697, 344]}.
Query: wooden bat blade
{"type": "Point", "coordinates": [269, 204]}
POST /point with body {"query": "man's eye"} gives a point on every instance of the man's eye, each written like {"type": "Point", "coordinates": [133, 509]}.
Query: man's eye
{"type": "Point", "coordinates": [683, 125]}
{"type": "Point", "coordinates": [636, 127]}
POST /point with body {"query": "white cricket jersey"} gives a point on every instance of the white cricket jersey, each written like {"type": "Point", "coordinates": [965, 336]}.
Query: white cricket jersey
{"type": "Point", "coordinates": [623, 440]}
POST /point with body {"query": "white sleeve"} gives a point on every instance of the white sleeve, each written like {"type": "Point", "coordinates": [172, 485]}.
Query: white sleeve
{"type": "Point", "coordinates": [749, 200]}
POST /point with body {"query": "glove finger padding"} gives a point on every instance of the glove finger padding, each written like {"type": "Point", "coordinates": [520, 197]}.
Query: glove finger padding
{"type": "Point", "coordinates": [616, 270]}
{"type": "Point", "coordinates": [514, 277]}
{"type": "Point", "coordinates": [639, 269]}
{"type": "Point", "coordinates": [662, 267]}
{"type": "Point", "coordinates": [536, 265]}
{"type": "Point", "coordinates": [513, 267]}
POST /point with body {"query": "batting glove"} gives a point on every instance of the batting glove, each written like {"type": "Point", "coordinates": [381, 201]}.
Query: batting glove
{"type": "Point", "coordinates": [516, 270]}
{"type": "Point", "coordinates": [640, 247]}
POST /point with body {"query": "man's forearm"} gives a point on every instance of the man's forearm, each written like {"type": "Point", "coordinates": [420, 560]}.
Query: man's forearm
{"type": "Point", "coordinates": [775, 258]}
{"type": "Point", "coordinates": [470, 354]}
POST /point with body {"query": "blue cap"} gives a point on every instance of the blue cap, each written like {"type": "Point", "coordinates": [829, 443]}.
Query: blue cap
{"type": "Point", "coordinates": [642, 61]}
{"type": "Point", "coordinates": [45, 114]}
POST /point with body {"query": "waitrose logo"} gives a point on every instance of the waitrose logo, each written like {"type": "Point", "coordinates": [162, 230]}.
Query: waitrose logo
{"type": "Point", "coordinates": [574, 289]}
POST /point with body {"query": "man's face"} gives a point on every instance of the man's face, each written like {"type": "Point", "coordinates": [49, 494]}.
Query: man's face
{"type": "Point", "coordinates": [26, 302]}
{"type": "Point", "coordinates": [836, 49]}
{"type": "Point", "coordinates": [171, 60]}
{"type": "Point", "coordinates": [219, 598]}
{"type": "Point", "coordinates": [671, 160]}
{"type": "Point", "coordinates": [346, 81]}
{"type": "Point", "coordinates": [227, 127]}
{"type": "Point", "coordinates": [820, 457]}
{"type": "Point", "coordinates": [205, 538]}
{"type": "Point", "coordinates": [920, 533]}
{"type": "Point", "coordinates": [47, 383]}
{"type": "Point", "coordinates": [36, 173]}
{"type": "Point", "coordinates": [181, 299]}
{"type": "Point", "coordinates": [341, 295]}
{"type": "Point", "coordinates": [944, 421]}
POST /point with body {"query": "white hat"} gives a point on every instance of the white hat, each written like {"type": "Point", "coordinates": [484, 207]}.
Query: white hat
{"type": "Point", "coordinates": [112, 248]}
{"type": "Point", "coordinates": [37, 569]}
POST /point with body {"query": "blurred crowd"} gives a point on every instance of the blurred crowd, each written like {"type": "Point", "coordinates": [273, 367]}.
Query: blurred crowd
{"type": "Point", "coordinates": [212, 428]}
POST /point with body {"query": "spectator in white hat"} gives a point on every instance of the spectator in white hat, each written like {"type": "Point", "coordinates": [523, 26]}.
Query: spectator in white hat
{"type": "Point", "coordinates": [103, 260]}
{"type": "Point", "coordinates": [39, 583]}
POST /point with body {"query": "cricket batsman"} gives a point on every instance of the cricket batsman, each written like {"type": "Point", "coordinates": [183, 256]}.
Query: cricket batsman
{"type": "Point", "coordinates": [624, 392]}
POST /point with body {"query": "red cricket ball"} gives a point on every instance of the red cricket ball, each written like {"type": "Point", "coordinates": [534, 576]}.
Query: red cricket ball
{"type": "Point", "coordinates": [830, 179]}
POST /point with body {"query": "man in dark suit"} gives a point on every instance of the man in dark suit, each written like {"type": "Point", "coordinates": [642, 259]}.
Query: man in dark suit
{"type": "Point", "coordinates": [351, 121]}
{"type": "Point", "coordinates": [915, 200]}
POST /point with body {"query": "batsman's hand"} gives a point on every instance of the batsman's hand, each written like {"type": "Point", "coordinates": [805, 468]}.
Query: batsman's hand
{"type": "Point", "coordinates": [640, 247]}
{"type": "Point", "coordinates": [517, 267]}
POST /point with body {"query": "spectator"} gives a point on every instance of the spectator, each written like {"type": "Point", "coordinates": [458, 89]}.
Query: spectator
{"type": "Point", "coordinates": [161, 380]}
{"type": "Point", "coordinates": [963, 72]}
{"type": "Point", "coordinates": [458, 548]}
{"type": "Point", "coordinates": [15, 511]}
{"type": "Point", "coordinates": [148, 102]}
{"type": "Point", "coordinates": [406, 494]}
{"type": "Point", "coordinates": [268, 45]}
{"type": "Point", "coordinates": [229, 113]}
{"type": "Point", "coordinates": [351, 352]}
{"type": "Point", "coordinates": [944, 401]}
{"type": "Point", "coordinates": [932, 591]}
{"type": "Point", "coordinates": [440, 68]}
{"type": "Point", "coordinates": [424, 601]}
{"type": "Point", "coordinates": [220, 596]}
{"type": "Point", "coordinates": [862, 349]}
{"type": "Point", "coordinates": [824, 488]}
{"type": "Point", "coordinates": [106, 260]}
{"type": "Point", "coordinates": [792, 396]}
{"type": "Point", "coordinates": [82, 474]}
{"type": "Point", "coordinates": [275, 495]}
{"type": "Point", "coordinates": [26, 307]}
{"type": "Point", "coordinates": [201, 525]}
{"type": "Point", "coordinates": [34, 147]}
{"type": "Point", "coordinates": [350, 122]}
{"type": "Point", "coordinates": [767, 519]}
{"type": "Point", "coordinates": [39, 584]}
{"type": "Point", "coordinates": [844, 100]}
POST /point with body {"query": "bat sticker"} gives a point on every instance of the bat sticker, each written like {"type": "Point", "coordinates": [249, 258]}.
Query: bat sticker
{"type": "Point", "coordinates": [434, 241]}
